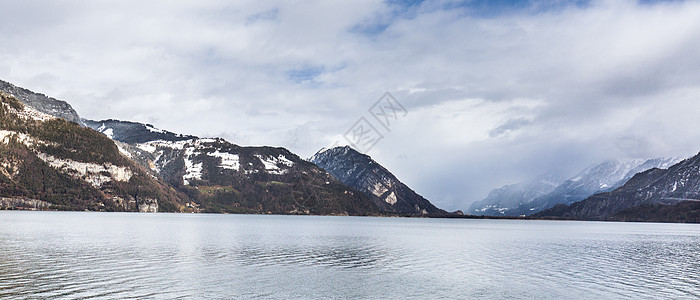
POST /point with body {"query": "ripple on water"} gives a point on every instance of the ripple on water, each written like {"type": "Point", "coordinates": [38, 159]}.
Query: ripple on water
{"type": "Point", "coordinates": [79, 255]}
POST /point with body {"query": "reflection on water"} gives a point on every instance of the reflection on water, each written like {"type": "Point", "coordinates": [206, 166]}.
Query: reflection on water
{"type": "Point", "coordinates": [83, 255]}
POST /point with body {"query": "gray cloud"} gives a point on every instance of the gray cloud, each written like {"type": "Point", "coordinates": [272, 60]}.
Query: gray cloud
{"type": "Point", "coordinates": [493, 96]}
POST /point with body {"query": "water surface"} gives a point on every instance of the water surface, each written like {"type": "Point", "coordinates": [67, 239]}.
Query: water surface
{"type": "Point", "coordinates": [130, 255]}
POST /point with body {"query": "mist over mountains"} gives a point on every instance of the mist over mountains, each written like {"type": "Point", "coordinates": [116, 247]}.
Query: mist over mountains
{"type": "Point", "coordinates": [142, 168]}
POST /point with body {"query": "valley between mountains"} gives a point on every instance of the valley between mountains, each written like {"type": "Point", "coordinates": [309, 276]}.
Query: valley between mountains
{"type": "Point", "coordinates": [51, 158]}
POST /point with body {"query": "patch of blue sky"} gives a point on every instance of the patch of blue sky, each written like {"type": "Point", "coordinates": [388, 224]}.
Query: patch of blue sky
{"type": "Point", "coordinates": [408, 9]}
{"type": "Point", "coordinates": [269, 15]}
{"type": "Point", "coordinates": [305, 74]}
{"type": "Point", "coordinates": [404, 9]}
{"type": "Point", "coordinates": [652, 2]}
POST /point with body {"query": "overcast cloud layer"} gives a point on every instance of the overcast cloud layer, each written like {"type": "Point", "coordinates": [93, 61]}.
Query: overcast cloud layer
{"type": "Point", "coordinates": [494, 93]}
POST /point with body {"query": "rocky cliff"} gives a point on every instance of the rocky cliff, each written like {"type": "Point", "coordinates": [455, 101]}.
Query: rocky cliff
{"type": "Point", "coordinates": [361, 172]}
{"type": "Point", "coordinates": [41, 102]}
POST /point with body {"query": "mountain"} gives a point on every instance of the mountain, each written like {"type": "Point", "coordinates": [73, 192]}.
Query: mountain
{"type": "Point", "coordinates": [41, 102]}
{"type": "Point", "coordinates": [219, 176]}
{"type": "Point", "coordinates": [668, 195]}
{"type": "Point", "coordinates": [50, 162]}
{"type": "Point", "coordinates": [504, 200]}
{"type": "Point", "coordinates": [132, 132]}
{"type": "Point", "coordinates": [602, 177]}
{"type": "Point", "coordinates": [52, 159]}
{"type": "Point", "coordinates": [361, 172]}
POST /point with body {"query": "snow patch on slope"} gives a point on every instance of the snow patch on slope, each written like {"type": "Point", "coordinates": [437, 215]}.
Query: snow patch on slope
{"type": "Point", "coordinates": [228, 160]}
{"type": "Point", "coordinates": [109, 133]}
{"type": "Point", "coordinates": [193, 171]}
{"type": "Point", "coordinates": [153, 129]}
{"type": "Point", "coordinates": [272, 163]}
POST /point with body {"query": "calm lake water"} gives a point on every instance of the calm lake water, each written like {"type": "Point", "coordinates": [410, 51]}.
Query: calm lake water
{"type": "Point", "coordinates": [130, 255]}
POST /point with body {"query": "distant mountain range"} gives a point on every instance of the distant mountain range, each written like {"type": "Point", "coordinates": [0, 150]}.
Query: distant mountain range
{"type": "Point", "coordinates": [361, 172]}
{"type": "Point", "coordinates": [505, 200]}
{"type": "Point", "coordinates": [664, 195]}
{"type": "Point", "coordinates": [517, 200]}
{"type": "Point", "coordinates": [127, 166]}
{"type": "Point", "coordinates": [50, 158]}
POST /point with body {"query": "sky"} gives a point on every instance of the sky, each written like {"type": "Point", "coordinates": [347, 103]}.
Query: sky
{"type": "Point", "coordinates": [490, 92]}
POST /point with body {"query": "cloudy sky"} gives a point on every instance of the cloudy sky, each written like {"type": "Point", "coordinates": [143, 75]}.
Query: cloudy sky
{"type": "Point", "coordinates": [495, 91]}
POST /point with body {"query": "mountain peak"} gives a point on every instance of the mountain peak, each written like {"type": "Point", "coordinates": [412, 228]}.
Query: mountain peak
{"type": "Point", "coordinates": [361, 172]}
{"type": "Point", "coordinates": [41, 102]}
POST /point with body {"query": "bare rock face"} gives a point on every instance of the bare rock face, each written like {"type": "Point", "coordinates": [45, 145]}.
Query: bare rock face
{"type": "Point", "coordinates": [361, 172]}
{"type": "Point", "coordinates": [149, 205]}
{"type": "Point", "coordinates": [41, 102]}
{"type": "Point", "coordinates": [23, 203]}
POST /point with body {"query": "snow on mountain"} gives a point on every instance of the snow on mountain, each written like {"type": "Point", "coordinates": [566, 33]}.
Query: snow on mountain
{"type": "Point", "coordinates": [133, 132]}
{"type": "Point", "coordinates": [366, 175]}
{"type": "Point", "coordinates": [41, 103]}
{"type": "Point", "coordinates": [219, 176]}
{"type": "Point", "coordinates": [504, 200]}
{"type": "Point", "coordinates": [666, 195]}
{"type": "Point", "coordinates": [46, 159]}
{"type": "Point", "coordinates": [602, 177]}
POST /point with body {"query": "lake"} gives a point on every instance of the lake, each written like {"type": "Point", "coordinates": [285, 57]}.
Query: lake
{"type": "Point", "coordinates": [131, 255]}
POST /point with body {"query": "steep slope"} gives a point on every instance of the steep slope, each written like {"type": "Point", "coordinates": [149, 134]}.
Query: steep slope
{"type": "Point", "coordinates": [602, 177]}
{"type": "Point", "coordinates": [132, 132]}
{"type": "Point", "coordinates": [646, 193]}
{"type": "Point", "coordinates": [505, 200]}
{"type": "Point", "coordinates": [364, 174]}
{"type": "Point", "coordinates": [47, 161]}
{"type": "Point", "coordinates": [222, 177]}
{"type": "Point", "coordinates": [41, 102]}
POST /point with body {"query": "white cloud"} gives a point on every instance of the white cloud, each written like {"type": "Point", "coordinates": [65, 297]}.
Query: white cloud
{"type": "Point", "coordinates": [493, 96]}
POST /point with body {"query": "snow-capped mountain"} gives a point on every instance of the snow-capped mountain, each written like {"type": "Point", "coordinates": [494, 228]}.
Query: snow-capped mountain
{"type": "Point", "coordinates": [41, 102]}
{"type": "Point", "coordinates": [132, 132]}
{"type": "Point", "coordinates": [505, 200]}
{"type": "Point", "coordinates": [223, 177]}
{"type": "Point", "coordinates": [361, 172]}
{"type": "Point", "coordinates": [602, 177]}
{"type": "Point", "coordinates": [661, 194]}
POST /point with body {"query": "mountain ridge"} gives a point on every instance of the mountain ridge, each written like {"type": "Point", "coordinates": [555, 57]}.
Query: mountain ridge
{"type": "Point", "coordinates": [219, 176]}
{"type": "Point", "coordinates": [41, 102]}
{"type": "Point", "coordinates": [676, 189]}
{"type": "Point", "coordinates": [361, 172]}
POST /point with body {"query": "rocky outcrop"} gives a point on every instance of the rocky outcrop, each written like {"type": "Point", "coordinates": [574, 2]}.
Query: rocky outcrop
{"type": "Point", "coordinates": [96, 175]}
{"type": "Point", "coordinates": [361, 172]}
{"type": "Point", "coordinates": [23, 203]}
{"type": "Point", "coordinates": [41, 102]}
{"type": "Point", "coordinates": [148, 205]}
